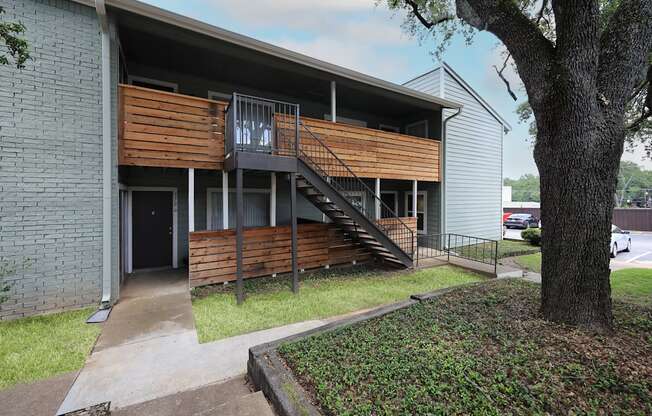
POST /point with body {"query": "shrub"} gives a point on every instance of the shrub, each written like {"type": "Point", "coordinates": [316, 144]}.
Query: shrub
{"type": "Point", "coordinates": [532, 236]}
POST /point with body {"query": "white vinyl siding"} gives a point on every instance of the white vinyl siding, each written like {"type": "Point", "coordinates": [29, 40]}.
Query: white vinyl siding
{"type": "Point", "coordinates": [473, 159]}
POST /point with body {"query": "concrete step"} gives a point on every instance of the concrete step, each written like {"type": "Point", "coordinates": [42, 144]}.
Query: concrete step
{"type": "Point", "coordinates": [191, 402]}
{"type": "Point", "coordinates": [253, 404]}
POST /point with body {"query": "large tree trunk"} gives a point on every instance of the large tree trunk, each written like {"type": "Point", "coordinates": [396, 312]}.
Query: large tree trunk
{"type": "Point", "coordinates": [577, 153]}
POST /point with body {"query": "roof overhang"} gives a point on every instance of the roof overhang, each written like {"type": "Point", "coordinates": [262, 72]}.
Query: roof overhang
{"type": "Point", "coordinates": [153, 12]}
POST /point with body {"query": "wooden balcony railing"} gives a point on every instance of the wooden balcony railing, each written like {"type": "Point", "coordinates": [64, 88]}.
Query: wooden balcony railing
{"type": "Point", "coordinates": [170, 130]}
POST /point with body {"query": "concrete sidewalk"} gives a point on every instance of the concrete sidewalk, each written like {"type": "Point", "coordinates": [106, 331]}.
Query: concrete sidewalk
{"type": "Point", "coordinates": [149, 348]}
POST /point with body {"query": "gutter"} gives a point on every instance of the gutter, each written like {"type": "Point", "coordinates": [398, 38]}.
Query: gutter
{"type": "Point", "coordinates": [100, 8]}
{"type": "Point", "coordinates": [444, 134]}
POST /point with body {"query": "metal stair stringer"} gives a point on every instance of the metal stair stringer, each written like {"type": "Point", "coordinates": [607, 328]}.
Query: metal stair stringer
{"type": "Point", "coordinates": [365, 230]}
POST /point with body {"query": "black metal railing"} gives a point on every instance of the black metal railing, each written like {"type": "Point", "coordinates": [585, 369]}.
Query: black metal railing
{"type": "Point", "coordinates": [259, 125]}
{"type": "Point", "coordinates": [322, 160]}
{"type": "Point", "coordinates": [482, 250]}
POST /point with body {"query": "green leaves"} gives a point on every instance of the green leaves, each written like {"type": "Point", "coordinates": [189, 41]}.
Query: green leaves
{"type": "Point", "coordinates": [17, 47]}
{"type": "Point", "coordinates": [479, 350]}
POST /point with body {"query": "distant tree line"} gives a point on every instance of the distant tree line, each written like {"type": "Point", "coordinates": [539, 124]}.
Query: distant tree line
{"type": "Point", "coordinates": [634, 187]}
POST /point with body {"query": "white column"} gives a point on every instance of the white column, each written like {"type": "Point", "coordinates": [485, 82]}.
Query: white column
{"type": "Point", "coordinates": [191, 200]}
{"type": "Point", "coordinates": [414, 198]}
{"type": "Point", "coordinates": [272, 201]}
{"type": "Point", "coordinates": [225, 200]}
{"type": "Point", "coordinates": [333, 102]}
{"type": "Point", "coordinates": [378, 199]}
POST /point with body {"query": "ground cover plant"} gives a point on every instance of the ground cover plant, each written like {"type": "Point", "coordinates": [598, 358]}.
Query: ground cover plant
{"type": "Point", "coordinates": [482, 350]}
{"type": "Point", "coordinates": [270, 303]}
{"type": "Point", "coordinates": [44, 346]}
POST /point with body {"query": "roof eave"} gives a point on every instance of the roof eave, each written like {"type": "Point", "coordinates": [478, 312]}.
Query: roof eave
{"type": "Point", "coordinates": [194, 25]}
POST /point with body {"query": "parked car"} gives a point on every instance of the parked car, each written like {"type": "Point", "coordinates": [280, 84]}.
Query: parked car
{"type": "Point", "coordinates": [521, 221]}
{"type": "Point", "coordinates": [620, 241]}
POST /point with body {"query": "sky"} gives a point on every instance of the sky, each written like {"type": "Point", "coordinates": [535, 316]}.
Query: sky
{"type": "Point", "coordinates": [363, 36]}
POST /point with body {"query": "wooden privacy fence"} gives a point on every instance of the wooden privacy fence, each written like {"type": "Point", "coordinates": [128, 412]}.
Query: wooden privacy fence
{"type": "Point", "coordinates": [634, 219]}
{"type": "Point", "coordinates": [268, 250]}
{"type": "Point", "coordinates": [169, 130]}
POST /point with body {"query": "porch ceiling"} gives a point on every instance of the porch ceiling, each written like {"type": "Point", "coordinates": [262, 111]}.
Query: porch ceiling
{"type": "Point", "coordinates": [153, 43]}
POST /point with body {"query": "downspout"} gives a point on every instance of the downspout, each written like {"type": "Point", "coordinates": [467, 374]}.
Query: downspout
{"type": "Point", "coordinates": [100, 8]}
{"type": "Point", "coordinates": [444, 214]}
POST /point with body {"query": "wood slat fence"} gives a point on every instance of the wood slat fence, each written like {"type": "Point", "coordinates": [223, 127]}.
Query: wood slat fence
{"type": "Point", "coordinates": [267, 250]}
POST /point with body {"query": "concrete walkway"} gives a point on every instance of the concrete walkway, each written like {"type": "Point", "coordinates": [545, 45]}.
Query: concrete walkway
{"type": "Point", "coordinates": [148, 348]}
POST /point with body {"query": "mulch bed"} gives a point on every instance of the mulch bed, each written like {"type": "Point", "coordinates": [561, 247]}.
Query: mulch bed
{"type": "Point", "coordinates": [479, 350]}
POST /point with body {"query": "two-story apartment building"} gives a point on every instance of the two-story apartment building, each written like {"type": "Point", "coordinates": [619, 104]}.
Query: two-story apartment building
{"type": "Point", "coordinates": [137, 138]}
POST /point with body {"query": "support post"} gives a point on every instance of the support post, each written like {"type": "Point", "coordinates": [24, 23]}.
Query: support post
{"type": "Point", "coordinates": [293, 215]}
{"type": "Point", "coordinates": [191, 199]}
{"type": "Point", "coordinates": [272, 201]}
{"type": "Point", "coordinates": [377, 201]}
{"type": "Point", "coordinates": [414, 198]}
{"type": "Point", "coordinates": [333, 102]}
{"type": "Point", "coordinates": [225, 200]}
{"type": "Point", "coordinates": [239, 228]}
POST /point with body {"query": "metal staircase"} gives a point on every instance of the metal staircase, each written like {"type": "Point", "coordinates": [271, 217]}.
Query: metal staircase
{"type": "Point", "coordinates": [326, 181]}
{"type": "Point", "coordinates": [266, 127]}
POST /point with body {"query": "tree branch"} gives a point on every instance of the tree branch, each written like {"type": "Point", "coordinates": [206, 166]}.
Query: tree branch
{"type": "Point", "coordinates": [625, 46]}
{"type": "Point", "coordinates": [425, 22]}
{"type": "Point", "coordinates": [500, 74]}
{"type": "Point", "coordinates": [532, 53]}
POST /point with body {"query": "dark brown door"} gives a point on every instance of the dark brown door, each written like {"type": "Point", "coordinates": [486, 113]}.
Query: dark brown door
{"type": "Point", "coordinates": [152, 229]}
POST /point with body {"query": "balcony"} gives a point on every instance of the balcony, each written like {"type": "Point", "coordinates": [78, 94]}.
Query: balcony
{"type": "Point", "coordinates": [162, 129]}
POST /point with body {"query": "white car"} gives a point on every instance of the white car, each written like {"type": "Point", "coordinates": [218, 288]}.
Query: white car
{"type": "Point", "coordinates": [620, 241]}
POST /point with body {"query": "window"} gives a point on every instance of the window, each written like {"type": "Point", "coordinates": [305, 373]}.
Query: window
{"type": "Point", "coordinates": [256, 208]}
{"type": "Point", "coordinates": [345, 120]}
{"type": "Point", "coordinates": [153, 84]}
{"type": "Point", "coordinates": [386, 127]}
{"type": "Point", "coordinates": [422, 210]}
{"type": "Point", "coordinates": [390, 199]}
{"type": "Point", "coordinates": [418, 129]}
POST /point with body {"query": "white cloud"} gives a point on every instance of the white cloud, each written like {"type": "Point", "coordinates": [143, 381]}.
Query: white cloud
{"type": "Point", "coordinates": [352, 33]}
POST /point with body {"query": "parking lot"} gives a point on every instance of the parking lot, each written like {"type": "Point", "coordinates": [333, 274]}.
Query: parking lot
{"type": "Point", "coordinates": [639, 256]}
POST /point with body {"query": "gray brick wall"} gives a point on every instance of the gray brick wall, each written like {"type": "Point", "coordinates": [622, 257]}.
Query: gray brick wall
{"type": "Point", "coordinates": [51, 160]}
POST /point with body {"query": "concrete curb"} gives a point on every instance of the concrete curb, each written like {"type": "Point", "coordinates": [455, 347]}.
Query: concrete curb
{"type": "Point", "coordinates": [267, 371]}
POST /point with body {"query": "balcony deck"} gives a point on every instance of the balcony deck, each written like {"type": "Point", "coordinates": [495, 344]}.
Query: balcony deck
{"type": "Point", "coordinates": [162, 129]}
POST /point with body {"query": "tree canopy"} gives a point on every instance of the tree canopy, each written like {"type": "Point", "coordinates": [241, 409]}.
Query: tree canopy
{"type": "Point", "coordinates": [16, 46]}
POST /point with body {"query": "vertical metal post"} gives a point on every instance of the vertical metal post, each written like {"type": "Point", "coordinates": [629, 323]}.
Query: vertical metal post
{"type": "Point", "coordinates": [333, 102]}
{"type": "Point", "coordinates": [293, 215]}
{"type": "Point", "coordinates": [448, 250]}
{"type": "Point", "coordinates": [239, 226]}
{"type": "Point", "coordinates": [225, 200]}
{"type": "Point", "coordinates": [296, 133]}
{"type": "Point", "coordinates": [234, 139]}
{"type": "Point", "coordinates": [377, 201]}
{"type": "Point", "coordinates": [272, 200]}
{"type": "Point", "coordinates": [191, 199]}
{"type": "Point", "coordinates": [495, 258]}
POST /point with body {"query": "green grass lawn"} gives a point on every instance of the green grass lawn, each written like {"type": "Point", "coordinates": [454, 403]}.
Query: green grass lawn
{"type": "Point", "coordinates": [506, 248]}
{"type": "Point", "coordinates": [479, 350]}
{"type": "Point", "coordinates": [44, 346]}
{"type": "Point", "coordinates": [321, 295]}
{"type": "Point", "coordinates": [632, 285]}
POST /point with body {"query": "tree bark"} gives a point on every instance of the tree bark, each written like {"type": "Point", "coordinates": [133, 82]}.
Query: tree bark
{"type": "Point", "coordinates": [577, 154]}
